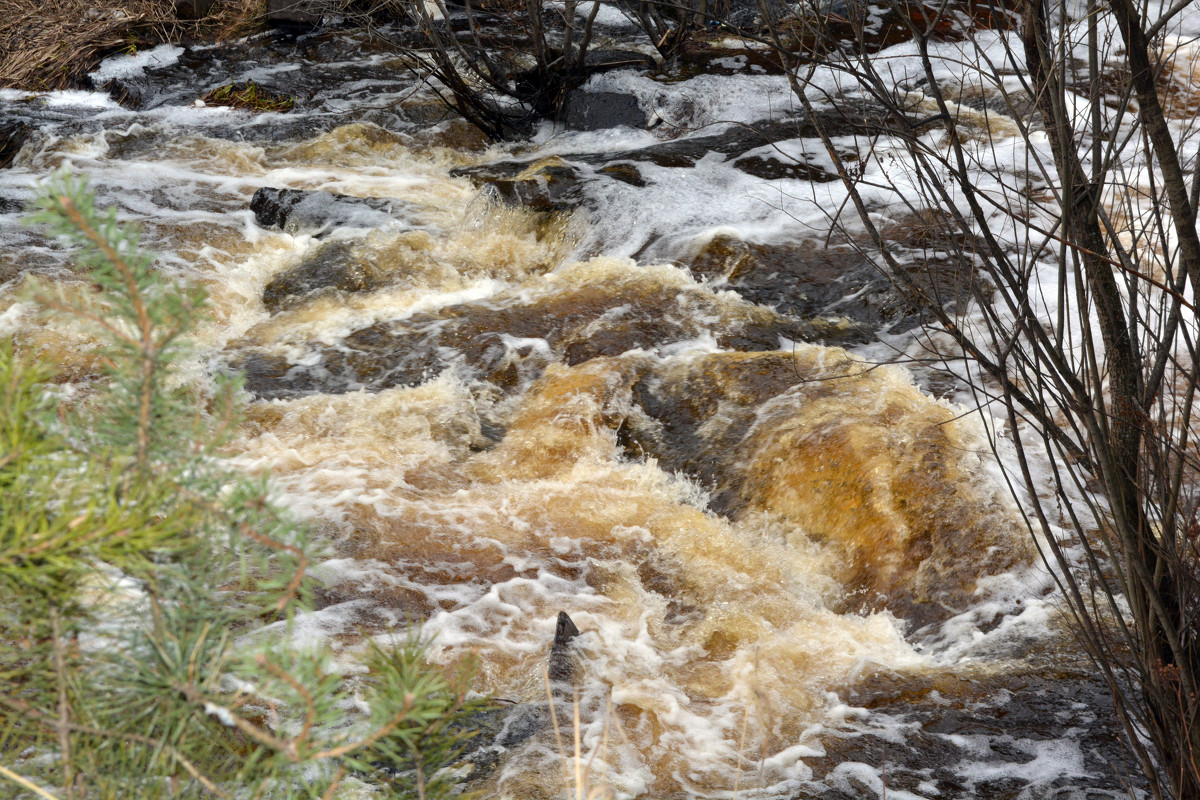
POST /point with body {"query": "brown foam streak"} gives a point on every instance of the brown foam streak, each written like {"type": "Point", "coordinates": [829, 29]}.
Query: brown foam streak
{"type": "Point", "coordinates": [873, 466]}
{"type": "Point", "coordinates": [739, 592]}
{"type": "Point", "coordinates": [453, 516]}
{"type": "Point", "coordinates": [558, 473]}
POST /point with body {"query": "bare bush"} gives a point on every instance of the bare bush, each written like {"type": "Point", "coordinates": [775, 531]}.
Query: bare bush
{"type": "Point", "coordinates": [505, 64]}
{"type": "Point", "coordinates": [1065, 149]}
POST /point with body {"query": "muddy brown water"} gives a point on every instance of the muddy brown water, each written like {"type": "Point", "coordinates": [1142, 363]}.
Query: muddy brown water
{"type": "Point", "coordinates": [795, 572]}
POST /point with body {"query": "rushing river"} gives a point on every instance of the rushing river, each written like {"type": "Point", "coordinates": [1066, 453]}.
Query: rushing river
{"type": "Point", "coordinates": [649, 392]}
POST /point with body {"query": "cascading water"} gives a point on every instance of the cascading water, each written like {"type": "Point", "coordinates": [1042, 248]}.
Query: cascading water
{"type": "Point", "coordinates": [789, 565]}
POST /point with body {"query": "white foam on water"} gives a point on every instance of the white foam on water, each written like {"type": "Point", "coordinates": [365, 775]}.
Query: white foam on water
{"type": "Point", "coordinates": [1051, 759]}
{"type": "Point", "coordinates": [852, 777]}
{"type": "Point", "coordinates": [12, 318]}
{"type": "Point", "coordinates": [734, 630]}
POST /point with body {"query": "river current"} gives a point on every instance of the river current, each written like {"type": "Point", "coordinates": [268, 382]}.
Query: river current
{"type": "Point", "coordinates": [630, 374]}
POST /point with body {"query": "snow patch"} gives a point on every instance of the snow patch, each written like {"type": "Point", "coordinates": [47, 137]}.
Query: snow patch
{"type": "Point", "coordinates": [126, 66]}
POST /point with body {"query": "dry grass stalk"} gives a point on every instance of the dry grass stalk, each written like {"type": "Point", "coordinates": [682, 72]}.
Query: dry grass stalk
{"type": "Point", "coordinates": [232, 19]}
{"type": "Point", "coordinates": [53, 44]}
{"type": "Point", "coordinates": [580, 785]}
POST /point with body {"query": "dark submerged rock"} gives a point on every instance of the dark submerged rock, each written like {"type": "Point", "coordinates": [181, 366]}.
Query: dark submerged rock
{"type": "Point", "coordinates": [890, 494]}
{"type": "Point", "coordinates": [995, 722]}
{"type": "Point", "coordinates": [499, 729]}
{"type": "Point", "coordinates": [490, 340]}
{"type": "Point", "coordinates": [605, 60]}
{"type": "Point", "coordinates": [702, 56]}
{"type": "Point", "coordinates": [193, 9]}
{"type": "Point", "coordinates": [676, 409]}
{"type": "Point", "coordinates": [804, 279]}
{"type": "Point", "coordinates": [745, 15]}
{"type": "Point", "coordinates": [335, 266]}
{"type": "Point", "coordinates": [129, 92]}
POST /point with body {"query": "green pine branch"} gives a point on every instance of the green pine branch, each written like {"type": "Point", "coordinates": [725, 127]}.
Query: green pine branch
{"type": "Point", "coordinates": [135, 566]}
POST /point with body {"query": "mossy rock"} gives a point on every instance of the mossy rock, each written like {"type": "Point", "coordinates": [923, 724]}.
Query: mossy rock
{"type": "Point", "coordinates": [248, 95]}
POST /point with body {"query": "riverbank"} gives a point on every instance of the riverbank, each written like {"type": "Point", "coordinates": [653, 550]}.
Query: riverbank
{"type": "Point", "coordinates": [55, 44]}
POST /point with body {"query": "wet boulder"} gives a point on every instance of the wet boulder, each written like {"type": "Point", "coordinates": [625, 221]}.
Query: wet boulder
{"type": "Point", "coordinates": [625, 173]}
{"type": "Point", "coordinates": [998, 721]}
{"type": "Point", "coordinates": [846, 280]}
{"type": "Point", "coordinates": [300, 13]}
{"type": "Point", "coordinates": [772, 167]}
{"type": "Point", "coordinates": [299, 211]}
{"type": "Point", "coordinates": [996, 105]}
{"type": "Point", "coordinates": [377, 357]}
{"type": "Point", "coordinates": [586, 110]}
{"type": "Point", "coordinates": [559, 182]}
{"type": "Point", "coordinates": [739, 140]}
{"type": "Point", "coordinates": [856, 27]}
{"type": "Point", "coordinates": [312, 70]}
{"type": "Point", "coordinates": [249, 96]}
{"type": "Point", "coordinates": [496, 731]}
{"type": "Point", "coordinates": [550, 184]}
{"type": "Point", "coordinates": [562, 667]}
{"type": "Point", "coordinates": [13, 136]}
{"type": "Point", "coordinates": [713, 56]}
{"type": "Point", "coordinates": [733, 142]}
{"type": "Point", "coordinates": [452, 133]}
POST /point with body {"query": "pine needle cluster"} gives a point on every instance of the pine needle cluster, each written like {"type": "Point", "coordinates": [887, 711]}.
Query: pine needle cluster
{"type": "Point", "coordinates": [147, 590]}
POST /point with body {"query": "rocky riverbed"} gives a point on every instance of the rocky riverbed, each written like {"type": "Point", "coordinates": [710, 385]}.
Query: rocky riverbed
{"type": "Point", "coordinates": [630, 369]}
